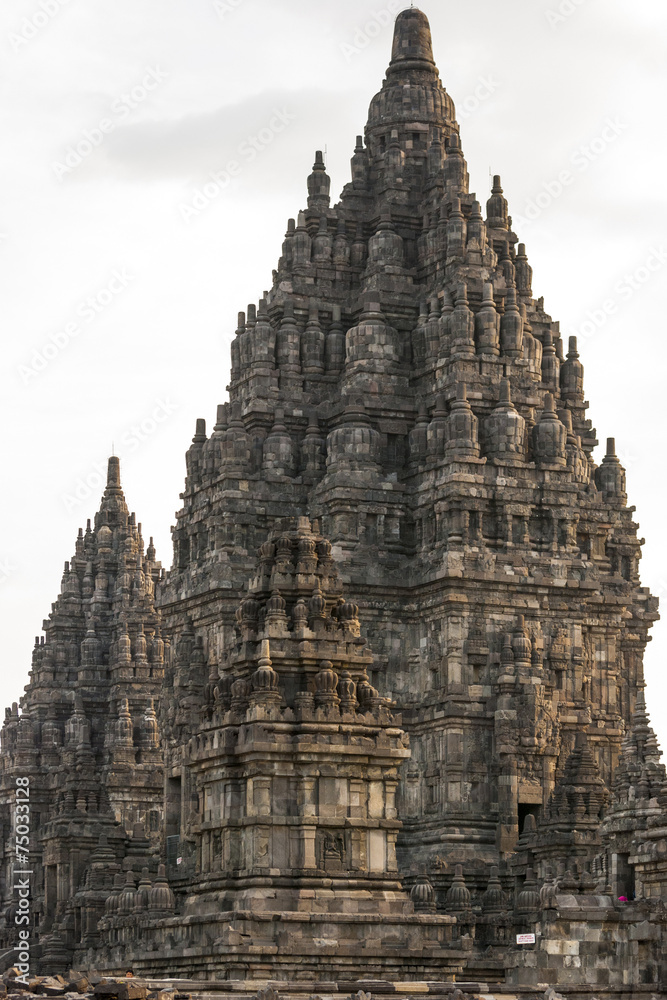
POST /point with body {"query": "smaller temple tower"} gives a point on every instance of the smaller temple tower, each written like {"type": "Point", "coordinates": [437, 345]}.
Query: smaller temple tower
{"type": "Point", "coordinates": [87, 736]}
{"type": "Point", "coordinates": [282, 768]}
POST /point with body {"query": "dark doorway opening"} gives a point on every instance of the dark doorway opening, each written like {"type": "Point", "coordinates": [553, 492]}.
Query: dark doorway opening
{"type": "Point", "coordinates": [625, 876]}
{"type": "Point", "coordinates": [527, 809]}
{"type": "Point", "coordinates": [173, 811]}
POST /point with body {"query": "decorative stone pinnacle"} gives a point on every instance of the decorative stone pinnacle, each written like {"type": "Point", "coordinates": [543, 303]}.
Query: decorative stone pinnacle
{"type": "Point", "coordinates": [413, 45]}
{"type": "Point", "coordinates": [113, 474]}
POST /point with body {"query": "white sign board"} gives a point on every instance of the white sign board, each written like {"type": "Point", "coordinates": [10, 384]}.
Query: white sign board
{"type": "Point", "coordinates": [525, 939]}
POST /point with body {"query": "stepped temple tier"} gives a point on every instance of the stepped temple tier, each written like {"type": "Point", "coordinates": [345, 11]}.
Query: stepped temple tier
{"type": "Point", "coordinates": [386, 711]}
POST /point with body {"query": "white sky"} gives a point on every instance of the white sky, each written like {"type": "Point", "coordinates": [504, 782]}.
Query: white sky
{"type": "Point", "coordinates": [219, 71]}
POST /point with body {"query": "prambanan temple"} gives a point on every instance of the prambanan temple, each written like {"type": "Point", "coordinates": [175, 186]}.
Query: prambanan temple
{"type": "Point", "coordinates": [385, 713]}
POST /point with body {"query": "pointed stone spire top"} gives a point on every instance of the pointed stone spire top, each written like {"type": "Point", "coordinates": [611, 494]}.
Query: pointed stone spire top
{"type": "Point", "coordinates": [505, 393]}
{"type": "Point", "coordinates": [427, 103]}
{"type": "Point", "coordinates": [413, 45]}
{"type": "Point", "coordinates": [610, 477]}
{"type": "Point", "coordinates": [642, 734]}
{"type": "Point", "coordinates": [640, 775]}
{"type": "Point", "coordinates": [265, 679]}
{"type": "Point", "coordinates": [319, 184]}
{"type": "Point", "coordinates": [113, 501]}
{"type": "Point", "coordinates": [113, 474]}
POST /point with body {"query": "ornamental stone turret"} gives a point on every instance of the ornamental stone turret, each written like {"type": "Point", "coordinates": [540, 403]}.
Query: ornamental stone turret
{"type": "Point", "coordinates": [265, 679]}
{"type": "Point", "coordinates": [313, 344]}
{"type": "Point", "coordinates": [572, 375]}
{"type": "Point", "coordinates": [371, 349]}
{"type": "Point", "coordinates": [550, 436]}
{"type": "Point", "coordinates": [524, 273]}
{"type": "Point", "coordinates": [319, 185]}
{"type": "Point", "coordinates": [335, 343]}
{"type": "Point", "coordinates": [550, 363]}
{"type": "Point", "coordinates": [455, 168]}
{"type": "Point", "coordinates": [610, 476]}
{"type": "Point", "coordinates": [497, 211]}
{"type": "Point", "coordinates": [313, 448]}
{"type": "Point", "coordinates": [487, 325]}
{"type": "Point", "coordinates": [195, 455]}
{"type": "Point", "coordinates": [418, 440]}
{"type": "Point", "coordinates": [354, 444]}
{"type": "Point", "coordinates": [432, 333]}
{"type": "Point", "coordinates": [477, 244]}
{"type": "Point", "coordinates": [323, 244]}
{"type": "Point", "coordinates": [462, 326]}
{"type": "Point", "coordinates": [511, 327]}
{"type": "Point", "coordinates": [301, 245]}
{"type": "Point", "coordinates": [288, 342]}
{"type": "Point", "coordinates": [458, 899]}
{"type": "Point", "coordinates": [278, 452]}
{"type": "Point", "coordinates": [505, 428]}
{"type": "Point", "coordinates": [462, 429]}
{"type": "Point", "coordinates": [457, 230]}
{"type": "Point", "coordinates": [341, 247]}
{"type": "Point", "coordinates": [263, 342]}
{"type": "Point", "coordinates": [494, 900]}
{"type": "Point", "coordinates": [237, 447]}
{"type": "Point", "coordinates": [161, 898]}
{"type": "Point", "coordinates": [436, 434]}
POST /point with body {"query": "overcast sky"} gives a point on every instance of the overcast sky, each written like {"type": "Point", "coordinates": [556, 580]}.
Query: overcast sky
{"type": "Point", "coordinates": [124, 263]}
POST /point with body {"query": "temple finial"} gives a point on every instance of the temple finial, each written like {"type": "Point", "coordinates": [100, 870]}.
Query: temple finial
{"type": "Point", "coordinates": [413, 44]}
{"type": "Point", "coordinates": [113, 473]}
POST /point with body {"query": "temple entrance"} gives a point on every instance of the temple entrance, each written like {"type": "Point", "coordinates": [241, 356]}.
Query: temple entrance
{"type": "Point", "coordinates": [173, 810]}
{"type": "Point", "coordinates": [625, 876]}
{"type": "Point", "coordinates": [526, 809]}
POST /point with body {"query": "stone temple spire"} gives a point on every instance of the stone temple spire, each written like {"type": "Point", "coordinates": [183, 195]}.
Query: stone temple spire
{"type": "Point", "coordinates": [634, 824]}
{"type": "Point", "coordinates": [412, 92]}
{"type": "Point", "coordinates": [95, 676]}
{"type": "Point", "coordinates": [113, 508]}
{"type": "Point", "coordinates": [640, 767]}
{"type": "Point", "coordinates": [413, 45]}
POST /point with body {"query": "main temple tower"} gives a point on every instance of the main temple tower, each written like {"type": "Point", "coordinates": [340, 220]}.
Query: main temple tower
{"type": "Point", "coordinates": [401, 384]}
